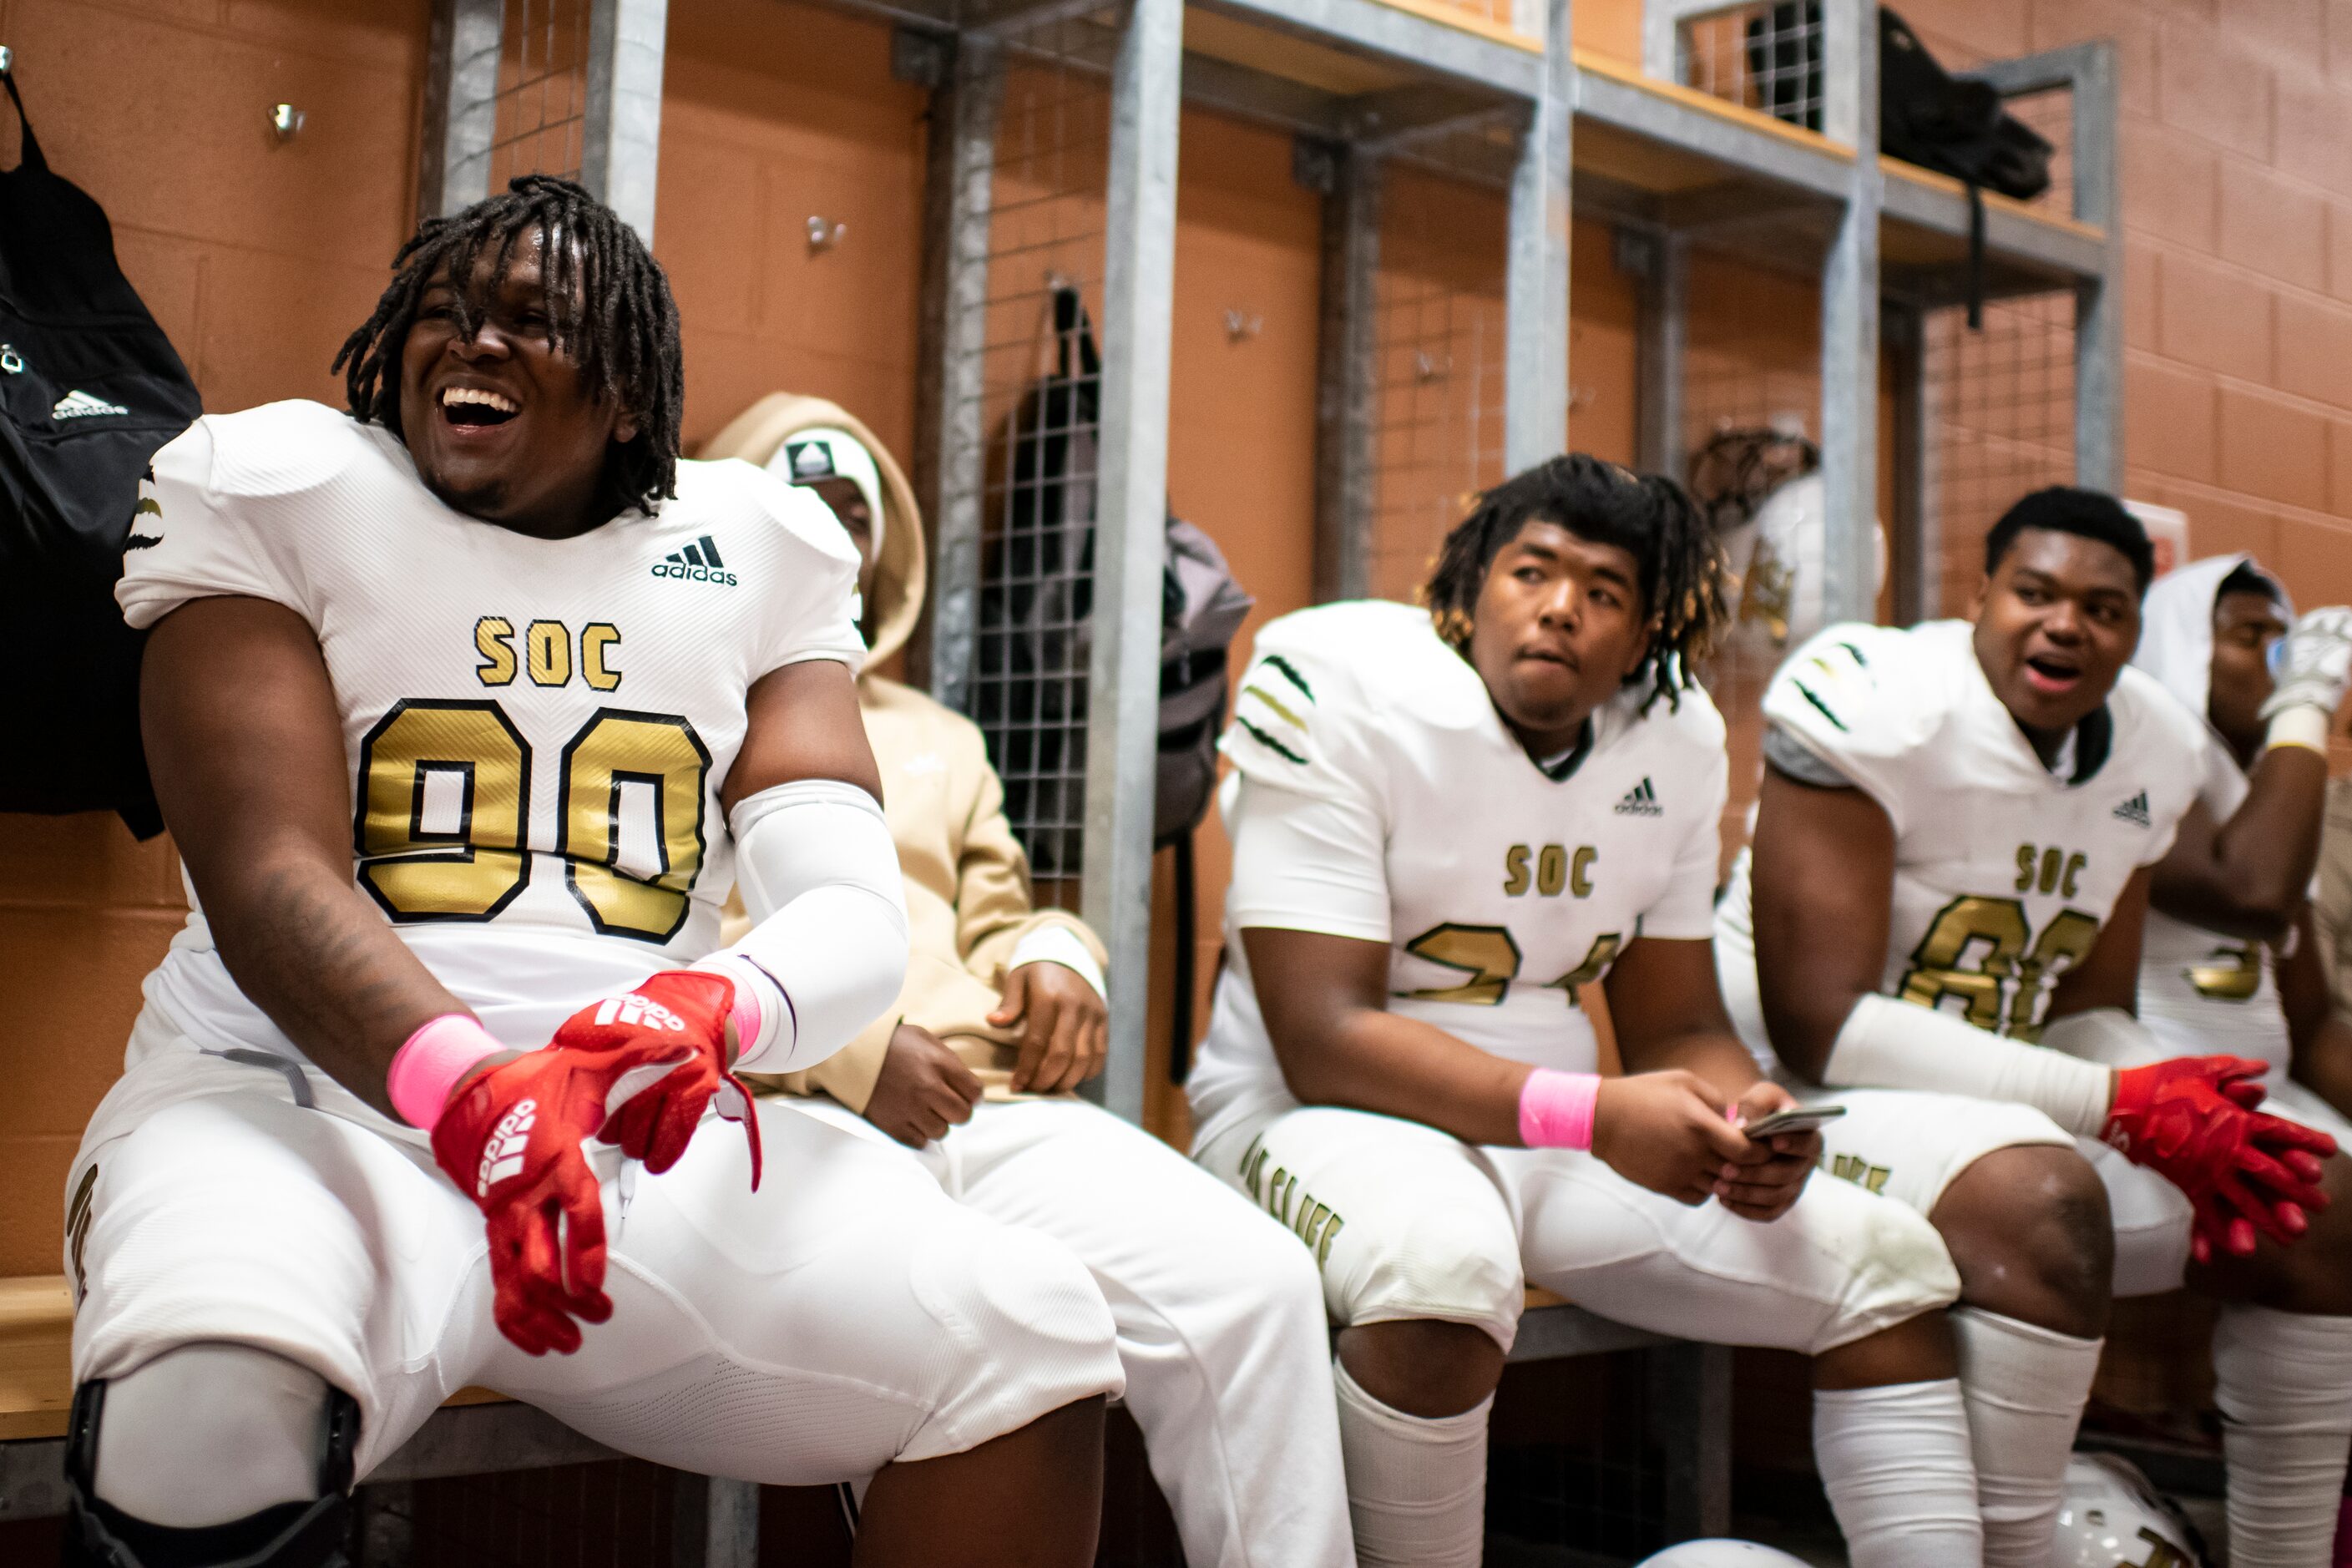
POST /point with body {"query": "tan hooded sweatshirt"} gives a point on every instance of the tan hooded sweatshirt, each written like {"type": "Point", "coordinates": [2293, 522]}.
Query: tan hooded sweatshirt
{"type": "Point", "coordinates": [967, 878]}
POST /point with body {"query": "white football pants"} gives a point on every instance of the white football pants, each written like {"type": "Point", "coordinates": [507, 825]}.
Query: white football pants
{"type": "Point", "coordinates": [1219, 1314]}
{"type": "Point", "coordinates": [845, 1316]}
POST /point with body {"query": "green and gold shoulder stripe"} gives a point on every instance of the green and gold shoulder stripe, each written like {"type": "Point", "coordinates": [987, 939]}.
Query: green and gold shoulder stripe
{"type": "Point", "coordinates": [1276, 707]}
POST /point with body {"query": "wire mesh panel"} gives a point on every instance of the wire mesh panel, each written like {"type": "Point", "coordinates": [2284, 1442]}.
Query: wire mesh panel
{"type": "Point", "coordinates": [1998, 417]}
{"type": "Point", "coordinates": [542, 102]}
{"type": "Point", "coordinates": [1040, 395]}
{"type": "Point", "coordinates": [1438, 366]}
{"type": "Point", "coordinates": [1761, 57]}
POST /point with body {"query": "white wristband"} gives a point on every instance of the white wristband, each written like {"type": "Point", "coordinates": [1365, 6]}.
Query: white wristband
{"type": "Point", "coordinates": [1057, 944]}
{"type": "Point", "coordinates": [2301, 725]}
{"type": "Point", "coordinates": [1887, 1044]}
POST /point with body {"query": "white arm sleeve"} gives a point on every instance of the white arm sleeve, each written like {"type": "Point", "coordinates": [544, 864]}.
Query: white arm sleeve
{"type": "Point", "coordinates": [828, 949]}
{"type": "Point", "coordinates": [1889, 1043]}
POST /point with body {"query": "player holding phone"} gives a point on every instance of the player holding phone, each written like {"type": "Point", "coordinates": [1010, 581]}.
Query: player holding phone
{"type": "Point", "coordinates": [1446, 821]}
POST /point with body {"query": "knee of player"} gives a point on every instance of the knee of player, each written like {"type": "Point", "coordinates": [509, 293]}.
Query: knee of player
{"type": "Point", "coordinates": [2031, 1220]}
{"type": "Point", "coordinates": [1902, 1270]}
{"type": "Point", "coordinates": [2319, 1265]}
{"type": "Point", "coordinates": [1451, 1265]}
{"type": "Point", "coordinates": [1018, 1305]}
{"type": "Point", "coordinates": [149, 1442]}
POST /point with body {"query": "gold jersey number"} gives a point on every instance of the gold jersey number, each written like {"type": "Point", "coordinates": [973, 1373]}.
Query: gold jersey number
{"type": "Point", "coordinates": [1491, 958]}
{"type": "Point", "coordinates": [1978, 947]}
{"type": "Point", "coordinates": [473, 870]}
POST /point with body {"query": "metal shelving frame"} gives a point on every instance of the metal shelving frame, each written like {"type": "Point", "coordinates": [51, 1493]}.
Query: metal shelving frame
{"type": "Point", "coordinates": [1564, 133]}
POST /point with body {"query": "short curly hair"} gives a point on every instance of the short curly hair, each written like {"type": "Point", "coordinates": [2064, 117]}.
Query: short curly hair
{"type": "Point", "coordinates": [608, 304]}
{"type": "Point", "coordinates": [1647, 516]}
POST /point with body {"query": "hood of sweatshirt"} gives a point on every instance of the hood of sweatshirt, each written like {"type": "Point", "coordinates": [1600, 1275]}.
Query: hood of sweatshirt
{"type": "Point", "coordinates": [760, 432]}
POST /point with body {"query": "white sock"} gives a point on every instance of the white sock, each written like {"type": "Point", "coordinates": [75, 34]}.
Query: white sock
{"type": "Point", "coordinates": [2024, 1386]}
{"type": "Point", "coordinates": [2284, 1380]}
{"type": "Point", "coordinates": [1416, 1485]}
{"type": "Point", "coordinates": [164, 1428]}
{"type": "Point", "coordinates": [1894, 1461]}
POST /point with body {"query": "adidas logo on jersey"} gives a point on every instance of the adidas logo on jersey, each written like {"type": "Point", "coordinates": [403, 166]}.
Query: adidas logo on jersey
{"type": "Point", "coordinates": [2134, 811]}
{"type": "Point", "coordinates": [639, 1010]}
{"type": "Point", "coordinates": [502, 1150]}
{"type": "Point", "coordinates": [82, 406]}
{"type": "Point", "coordinates": [698, 563]}
{"type": "Point", "coordinates": [1641, 801]}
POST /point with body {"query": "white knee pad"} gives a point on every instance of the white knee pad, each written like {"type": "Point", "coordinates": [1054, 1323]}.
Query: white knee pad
{"type": "Point", "coordinates": [165, 1428]}
{"type": "Point", "coordinates": [1901, 1269]}
{"type": "Point", "coordinates": [1425, 1263]}
{"type": "Point", "coordinates": [1033, 1330]}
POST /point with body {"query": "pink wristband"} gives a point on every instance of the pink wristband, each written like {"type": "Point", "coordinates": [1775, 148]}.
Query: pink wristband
{"type": "Point", "coordinates": [431, 1061]}
{"type": "Point", "coordinates": [1555, 1108]}
{"type": "Point", "coordinates": [746, 1016]}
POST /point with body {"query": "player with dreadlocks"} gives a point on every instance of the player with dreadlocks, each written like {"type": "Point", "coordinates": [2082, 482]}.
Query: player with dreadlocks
{"type": "Point", "coordinates": [1451, 826]}
{"type": "Point", "coordinates": [466, 710]}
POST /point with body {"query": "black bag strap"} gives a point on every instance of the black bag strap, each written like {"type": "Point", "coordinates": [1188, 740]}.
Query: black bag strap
{"type": "Point", "coordinates": [31, 158]}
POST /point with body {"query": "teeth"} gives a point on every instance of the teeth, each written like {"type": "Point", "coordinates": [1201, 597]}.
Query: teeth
{"type": "Point", "coordinates": [482, 395]}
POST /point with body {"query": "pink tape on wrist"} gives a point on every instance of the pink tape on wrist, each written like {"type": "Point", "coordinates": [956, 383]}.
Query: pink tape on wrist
{"type": "Point", "coordinates": [747, 1016]}
{"type": "Point", "coordinates": [431, 1061]}
{"type": "Point", "coordinates": [1555, 1108]}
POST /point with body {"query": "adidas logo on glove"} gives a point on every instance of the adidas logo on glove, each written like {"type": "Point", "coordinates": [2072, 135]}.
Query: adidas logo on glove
{"type": "Point", "coordinates": [502, 1150]}
{"type": "Point", "coordinates": [640, 1010]}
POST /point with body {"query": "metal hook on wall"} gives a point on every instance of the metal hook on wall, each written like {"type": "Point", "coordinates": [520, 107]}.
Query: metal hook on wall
{"type": "Point", "coordinates": [1242, 325]}
{"type": "Point", "coordinates": [7, 59]}
{"type": "Point", "coordinates": [287, 122]}
{"type": "Point", "coordinates": [824, 234]}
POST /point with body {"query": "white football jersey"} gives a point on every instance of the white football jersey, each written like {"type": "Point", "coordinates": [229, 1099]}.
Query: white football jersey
{"type": "Point", "coordinates": [2004, 869]}
{"type": "Point", "coordinates": [537, 729]}
{"type": "Point", "coordinates": [2201, 991]}
{"type": "Point", "coordinates": [1498, 887]}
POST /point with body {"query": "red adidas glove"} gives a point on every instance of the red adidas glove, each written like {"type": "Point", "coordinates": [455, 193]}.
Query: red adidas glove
{"type": "Point", "coordinates": [510, 1140]}
{"type": "Point", "coordinates": [2191, 1120]}
{"type": "Point", "coordinates": [662, 1050]}
{"type": "Point", "coordinates": [637, 1069]}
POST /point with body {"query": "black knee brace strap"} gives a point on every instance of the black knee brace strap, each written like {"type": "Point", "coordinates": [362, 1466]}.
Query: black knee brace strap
{"type": "Point", "coordinates": [291, 1535]}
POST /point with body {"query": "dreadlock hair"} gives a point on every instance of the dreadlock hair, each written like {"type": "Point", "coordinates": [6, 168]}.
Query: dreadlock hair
{"type": "Point", "coordinates": [608, 305]}
{"type": "Point", "coordinates": [1645, 515]}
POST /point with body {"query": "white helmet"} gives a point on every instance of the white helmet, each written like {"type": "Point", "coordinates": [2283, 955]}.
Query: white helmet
{"type": "Point", "coordinates": [1780, 579]}
{"type": "Point", "coordinates": [2113, 1518]}
{"type": "Point", "coordinates": [1721, 1554]}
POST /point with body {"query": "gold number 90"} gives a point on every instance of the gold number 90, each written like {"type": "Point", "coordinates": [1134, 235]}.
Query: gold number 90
{"type": "Point", "coordinates": [473, 871]}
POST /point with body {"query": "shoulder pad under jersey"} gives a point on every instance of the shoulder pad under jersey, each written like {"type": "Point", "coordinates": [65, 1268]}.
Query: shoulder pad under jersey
{"type": "Point", "coordinates": [1863, 697]}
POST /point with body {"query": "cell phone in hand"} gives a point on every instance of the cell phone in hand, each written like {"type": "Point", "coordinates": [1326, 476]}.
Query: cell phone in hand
{"type": "Point", "coordinates": [1800, 1118]}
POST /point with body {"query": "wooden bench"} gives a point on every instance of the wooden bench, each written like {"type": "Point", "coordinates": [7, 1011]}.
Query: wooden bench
{"type": "Point", "coordinates": [478, 1432]}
